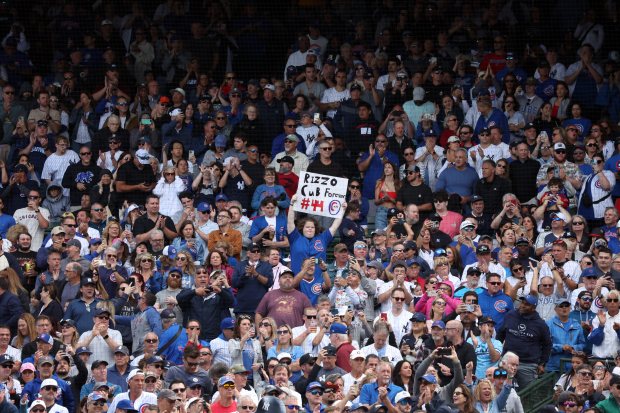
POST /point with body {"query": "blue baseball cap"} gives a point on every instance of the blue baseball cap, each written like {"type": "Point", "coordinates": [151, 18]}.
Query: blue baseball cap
{"type": "Point", "coordinates": [530, 299]}
{"type": "Point", "coordinates": [439, 324]}
{"type": "Point", "coordinates": [589, 272]}
{"type": "Point", "coordinates": [225, 379]}
{"type": "Point", "coordinates": [338, 328]}
{"type": "Point", "coordinates": [429, 378]}
{"type": "Point", "coordinates": [314, 385]}
{"type": "Point", "coordinates": [126, 405]}
{"type": "Point", "coordinates": [221, 197]}
{"type": "Point", "coordinates": [204, 207]}
{"type": "Point", "coordinates": [227, 324]}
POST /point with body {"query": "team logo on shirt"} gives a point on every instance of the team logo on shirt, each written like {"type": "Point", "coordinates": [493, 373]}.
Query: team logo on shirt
{"type": "Point", "coordinates": [598, 184]}
{"type": "Point", "coordinates": [500, 306]}
{"type": "Point", "coordinates": [579, 128]}
{"type": "Point", "coordinates": [318, 245]}
{"type": "Point", "coordinates": [317, 288]}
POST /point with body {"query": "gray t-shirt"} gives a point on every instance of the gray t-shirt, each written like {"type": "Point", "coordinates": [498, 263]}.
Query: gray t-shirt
{"type": "Point", "coordinates": [69, 292]}
{"type": "Point", "coordinates": [161, 301]}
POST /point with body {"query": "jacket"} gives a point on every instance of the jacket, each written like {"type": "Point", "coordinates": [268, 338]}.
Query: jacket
{"type": "Point", "coordinates": [249, 290]}
{"type": "Point", "coordinates": [10, 310]}
{"type": "Point", "coordinates": [66, 398]}
{"type": "Point", "coordinates": [208, 310]}
{"type": "Point", "coordinates": [144, 322]}
{"type": "Point", "coordinates": [7, 407]}
{"type": "Point", "coordinates": [527, 335]}
{"type": "Point", "coordinates": [571, 334]}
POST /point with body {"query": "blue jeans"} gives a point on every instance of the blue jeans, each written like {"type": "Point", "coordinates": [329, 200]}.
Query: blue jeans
{"type": "Point", "coordinates": [381, 220]}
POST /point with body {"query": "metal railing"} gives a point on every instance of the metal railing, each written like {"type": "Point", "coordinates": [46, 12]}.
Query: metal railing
{"type": "Point", "coordinates": [538, 393]}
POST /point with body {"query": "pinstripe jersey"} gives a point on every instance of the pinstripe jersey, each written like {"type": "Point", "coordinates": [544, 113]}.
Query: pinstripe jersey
{"type": "Point", "coordinates": [56, 165]}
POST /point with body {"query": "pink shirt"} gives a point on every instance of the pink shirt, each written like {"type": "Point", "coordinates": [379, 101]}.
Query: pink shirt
{"type": "Point", "coordinates": [450, 223]}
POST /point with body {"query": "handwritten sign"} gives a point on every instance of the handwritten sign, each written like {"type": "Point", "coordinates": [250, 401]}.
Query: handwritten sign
{"type": "Point", "coordinates": [321, 195]}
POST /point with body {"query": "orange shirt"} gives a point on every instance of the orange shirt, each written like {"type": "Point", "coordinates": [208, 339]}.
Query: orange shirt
{"type": "Point", "coordinates": [232, 236]}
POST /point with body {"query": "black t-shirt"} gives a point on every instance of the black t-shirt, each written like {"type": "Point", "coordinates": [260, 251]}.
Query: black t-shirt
{"type": "Point", "coordinates": [332, 169]}
{"type": "Point", "coordinates": [256, 171]}
{"type": "Point", "coordinates": [131, 175]}
{"type": "Point", "coordinates": [418, 195]}
{"type": "Point", "coordinates": [144, 224]}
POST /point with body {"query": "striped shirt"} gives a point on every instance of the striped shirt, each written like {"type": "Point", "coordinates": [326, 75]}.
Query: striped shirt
{"type": "Point", "coordinates": [56, 165]}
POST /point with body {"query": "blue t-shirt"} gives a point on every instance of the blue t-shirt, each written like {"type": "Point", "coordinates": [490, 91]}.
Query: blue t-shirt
{"type": "Point", "coordinates": [613, 164]}
{"type": "Point", "coordinates": [312, 289]}
{"type": "Point", "coordinates": [302, 248]}
{"type": "Point", "coordinates": [6, 222]}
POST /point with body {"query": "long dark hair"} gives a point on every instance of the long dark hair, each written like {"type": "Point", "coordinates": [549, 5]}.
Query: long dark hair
{"type": "Point", "coordinates": [397, 380]}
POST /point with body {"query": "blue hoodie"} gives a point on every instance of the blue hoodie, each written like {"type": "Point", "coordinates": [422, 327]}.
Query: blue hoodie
{"type": "Point", "coordinates": [66, 398]}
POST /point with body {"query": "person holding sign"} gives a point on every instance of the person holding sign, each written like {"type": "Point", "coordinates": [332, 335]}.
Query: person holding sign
{"type": "Point", "coordinates": [307, 240]}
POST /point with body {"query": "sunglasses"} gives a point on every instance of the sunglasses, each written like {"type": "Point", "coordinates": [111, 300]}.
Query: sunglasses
{"type": "Point", "coordinates": [151, 381]}
{"type": "Point", "coordinates": [174, 275]}
{"type": "Point", "coordinates": [316, 392]}
{"type": "Point", "coordinates": [49, 388]}
{"type": "Point", "coordinates": [178, 390]}
{"type": "Point", "coordinates": [517, 269]}
{"type": "Point", "coordinates": [495, 283]}
{"type": "Point", "coordinates": [247, 407]}
{"type": "Point", "coordinates": [399, 299]}
{"type": "Point", "coordinates": [292, 407]}
{"type": "Point", "coordinates": [612, 300]}
{"type": "Point", "coordinates": [280, 332]}
{"type": "Point", "coordinates": [228, 386]}
{"type": "Point", "coordinates": [561, 152]}
{"type": "Point", "coordinates": [151, 340]}
{"type": "Point", "coordinates": [86, 153]}
{"type": "Point", "coordinates": [354, 186]}
{"type": "Point", "coordinates": [265, 325]}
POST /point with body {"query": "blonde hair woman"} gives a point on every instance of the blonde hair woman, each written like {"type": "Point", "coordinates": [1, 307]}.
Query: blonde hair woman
{"type": "Point", "coordinates": [26, 332]}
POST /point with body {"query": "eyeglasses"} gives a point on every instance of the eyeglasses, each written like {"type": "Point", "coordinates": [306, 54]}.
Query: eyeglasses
{"type": "Point", "coordinates": [220, 117]}
{"type": "Point", "coordinates": [570, 404]}
{"type": "Point", "coordinates": [408, 153]}
{"type": "Point", "coordinates": [179, 390]}
{"type": "Point", "coordinates": [292, 407]}
{"type": "Point", "coordinates": [495, 283]}
{"type": "Point", "coordinates": [560, 152]}
{"type": "Point", "coordinates": [585, 374]}
{"type": "Point", "coordinates": [399, 299]}
{"type": "Point", "coordinates": [440, 303]}
{"type": "Point", "coordinates": [592, 145]}
{"type": "Point", "coordinates": [151, 381]}
{"type": "Point", "coordinates": [194, 364]}
{"type": "Point", "coordinates": [181, 258]}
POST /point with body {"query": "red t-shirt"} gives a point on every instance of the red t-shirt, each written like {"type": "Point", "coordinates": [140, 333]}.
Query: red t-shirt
{"type": "Point", "coordinates": [343, 355]}
{"type": "Point", "coordinates": [218, 408]}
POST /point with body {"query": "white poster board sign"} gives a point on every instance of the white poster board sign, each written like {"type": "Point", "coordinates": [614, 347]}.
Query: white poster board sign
{"type": "Point", "coordinates": [321, 195]}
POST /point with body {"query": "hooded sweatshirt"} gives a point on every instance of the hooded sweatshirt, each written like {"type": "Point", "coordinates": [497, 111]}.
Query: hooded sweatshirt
{"type": "Point", "coordinates": [56, 205]}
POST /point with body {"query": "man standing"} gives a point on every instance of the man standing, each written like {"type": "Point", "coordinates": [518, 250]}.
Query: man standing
{"type": "Point", "coordinates": [310, 336]}
{"type": "Point", "coordinates": [415, 191]}
{"type": "Point", "coordinates": [118, 373]}
{"type": "Point", "coordinates": [298, 160]}
{"type": "Point", "coordinates": [58, 162]}
{"type": "Point", "coordinates": [10, 306]}
{"type": "Point", "coordinates": [206, 303]}
{"type": "Point", "coordinates": [324, 164]}
{"type": "Point", "coordinates": [604, 335]}
{"type": "Point", "coordinates": [101, 340]}
{"type": "Point", "coordinates": [523, 173]}
{"type": "Point", "coordinates": [135, 180]}
{"type": "Point", "coordinates": [285, 305]}
{"type": "Point", "coordinates": [81, 176]}
{"type": "Point", "coordinates": [271, 112]}
{"type": "Point", "coordinates": [190, 371]}
{"type": "Point", "coordinates": [484, 150]}
{"type": "Point", "coordinates": [493, 301]}
{"type": "Point", "coordinates": [380, 347]}
{"type": "Point", "coordinates": [226, 233]}
{"type": "Point", "coordinates": [252, 279]}
{"type": "Point", "coordinates": [566, 335]}
{"type": "Point", "coordinates": [145, 321]}
{"type": "Point", "coordinates": [465, 351]}
{"type": "Point", "coordinates": [146, 224]}
{"type": "Point", "coordinates": [527, 335]}
{"type": "Point", "coordinates": [491, 187]}
{"type": "Point", "coordinates": [460, 179]}
{"type": "Point", "coordinates": [136, 394]}
{"type": "Point", "coordinates": [371, 164]}
{"type": "Point", "coordinates": [80, 309]}
{"type": "Point", "coordinates": [34, 218]}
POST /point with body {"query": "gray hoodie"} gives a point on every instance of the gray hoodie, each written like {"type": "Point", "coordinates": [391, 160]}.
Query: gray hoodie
{"type": "Point", "coordinates": [57, 206]}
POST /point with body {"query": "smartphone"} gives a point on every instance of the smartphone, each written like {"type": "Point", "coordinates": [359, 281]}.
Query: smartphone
{"type": "Point", "coordinates": [62, 348]}
{"type": "Point", "coordinates": [432, 293]}
{"type": "Point", "coordinates": [360, 263]}
{"type": "Point", "coordinates": [470, 307]}
{"type": "Point", "coordinates": [384, 316]}
{"type": "Point", "coordinates": [317, 117]}
{"type": "Point", "coordinates": [316, 261]}
{"type": "Point", "coordinates": [432, 60]}
{"type": "Point", "coordinates": [398, 113]}
{"type": "Point", "coordinates": [444, 351]}
{"type": "Point", "coordinates": [131, 282]}
{"type": "Point", "coordinates": [127, 227]}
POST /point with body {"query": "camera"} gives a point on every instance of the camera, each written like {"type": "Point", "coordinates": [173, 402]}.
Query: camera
{"type": "Point", "coordinates": [444, 351]}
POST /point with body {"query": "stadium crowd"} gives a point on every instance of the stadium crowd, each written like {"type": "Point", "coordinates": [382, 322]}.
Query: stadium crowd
{"type": "Point", "coordinates": [151, 258]}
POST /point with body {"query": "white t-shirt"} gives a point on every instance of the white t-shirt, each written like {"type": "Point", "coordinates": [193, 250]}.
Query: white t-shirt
{"type": "Point", "coordinates": [307, 343]}
{"type": "Point", "coordinates": [331, 95]}
{"type": "Point", "coordinates": [28, 217]}
{"type": "Point", "coordinates": [400, 323]}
